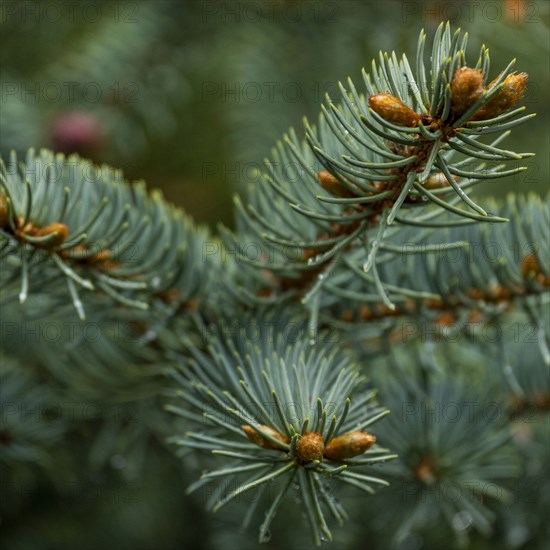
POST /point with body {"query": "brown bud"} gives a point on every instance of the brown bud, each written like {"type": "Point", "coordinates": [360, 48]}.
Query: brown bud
{"type": "Point", "coordinates": [513, 89]}
{"type": "Point", "coordinates": [425, 472]}
{"type": "Point", "coordinates": [529, 266]}
{"type": "Point", "coordinates": [446, 319]}
{"type": "Point", "coordinates": [99, 257]}
{"type": "Point", "coordinates": [365, 313]}
{"type": "Point", "coordinates": [258, 439]}
{"type": "Point", "coordinates": [541, 401]}
{"type": "Point", "coordinates": [347, 315]}
{"type": "Point", "coordinates": [530, 269]}
{"type": "Point", "coordinates": [24, 228]}
{"type": "Point", "coordinates": [436, 181]}
{"type": "Point", "coordinates": [310, 447]}
{"type": "Point", "coordinates": [332, 185]}
{"type": "Point", "coordinates": [349, 445]}
{"type": "Point", "coordinates": [393, 110]}
{"type": "Point", "coordinates": [139, 328]}
{"type": "Point", "coordinates": [62, 233]}
{"type": "Point", "coordinates": [433, 303]}
{"type": "Point", "coordinates": [499, 293]}
{"type": "Point", "coordinates": [265, 292]}
{"type": "Point", "coordinates": [108, 265]}
{"type": "Point", "coordinates": [466, 88]}
{"type": "Point", "coordinates": [191, 305]}
{"type": "Point", "coordinates": [4, 212]}
{"type": "Point", "coordinates": [476, 294]}
{"type": "Point", "coordinates": [170, 295]}
{"type": "Point", "coordinates": [475, 316]}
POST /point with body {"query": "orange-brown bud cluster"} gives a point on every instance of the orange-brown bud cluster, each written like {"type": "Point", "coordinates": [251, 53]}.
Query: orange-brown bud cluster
{"type": "Point", "coordinates": [349, 445]}
{"type": "Point", "coordinates": [466, 89]}
{"type": "Point", "coordinates": [512, 90]}
{"type": "Point", "coordinates": [310, 447]}
{"type": "Point", "coordinates": [393, 110]}
{"type": "Point", "coordinates": [258, 439]}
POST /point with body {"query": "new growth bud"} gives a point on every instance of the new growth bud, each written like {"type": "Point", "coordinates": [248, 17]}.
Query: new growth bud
{"type": "Point", "coordinates": [425, 472]}
{"type": "Point", "coordinates": [332, 185]}
{"type": "Point", "coordinates": [349, 445]}
{"type": "Point", "coordinates": [310, 447]}
{"type": "Point", "coordinates": [61, 231]}
{"type": "Point", "coordinates": [258, 439]}
{"type": "Point", "coordinates": [393, 110]}
{"type": "Point", "coordinates": [513, 89]}
{"type": "Point", "coordinates": [436, 181]}
{"type": "Point", "coordinates": [466, 89]}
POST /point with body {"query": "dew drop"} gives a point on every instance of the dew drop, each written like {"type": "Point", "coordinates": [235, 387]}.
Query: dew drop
{"type": "Point", "coordinates": [425, 199]}
{"type": "Point", "coordinates": [321, 276]}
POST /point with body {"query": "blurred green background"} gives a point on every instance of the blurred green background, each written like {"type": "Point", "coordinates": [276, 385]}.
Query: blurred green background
{"type": "Point", "coordinates": [191, 96]}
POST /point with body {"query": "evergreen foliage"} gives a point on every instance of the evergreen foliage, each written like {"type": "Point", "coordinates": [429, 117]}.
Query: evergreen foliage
{"type": "Point", "coordinates": [301, 407]}
{"type": "Point", "coordinates": [379, 155]}
{"type": "Point", "coordinates": [364, 233]}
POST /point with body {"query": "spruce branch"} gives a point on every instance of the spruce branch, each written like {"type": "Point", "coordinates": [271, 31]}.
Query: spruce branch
{"type": "Point", "coordinates": [381, 159]}
{"type": "Point", "coordinates": [502, 268]}
{"type": "Point", "coordinates": [359, 222]}
{"type": "Point", "coordinates": [64, 218]}
{"type": "Point", "coordinates": [525, 364]}
{"type": "Point", "coordinates": [272, 408]}
{"type": "Point", "coordinates": [455, 459]}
